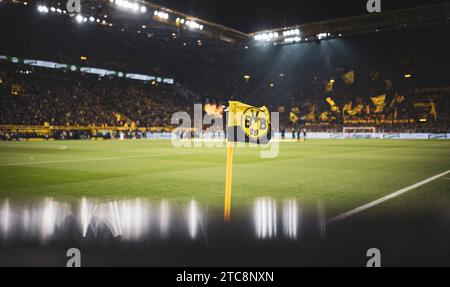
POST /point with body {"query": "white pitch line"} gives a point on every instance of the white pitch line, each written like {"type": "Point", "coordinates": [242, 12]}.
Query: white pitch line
{"type": "Point", "coordinates": [385, 198]}
{"type": "Point", "coordinates": [81, 160]}
{"type": "Point", "coordinates": [59, 161]}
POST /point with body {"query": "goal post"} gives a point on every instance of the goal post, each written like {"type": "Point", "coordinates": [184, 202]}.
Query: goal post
{"type": "Point", "coordinates": [359, 132]}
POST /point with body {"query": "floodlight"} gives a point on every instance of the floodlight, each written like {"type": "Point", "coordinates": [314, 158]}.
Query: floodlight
{"type": "Point", "coordinates": [42, 9]}
{"type": "Point", "coordinates": [79, 18]}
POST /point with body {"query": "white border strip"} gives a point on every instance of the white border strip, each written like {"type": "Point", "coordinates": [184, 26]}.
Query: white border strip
{"type": "Point", "coordinates": [385, 198]}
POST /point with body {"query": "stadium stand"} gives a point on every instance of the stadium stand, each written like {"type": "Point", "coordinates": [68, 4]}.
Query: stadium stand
{"type": "Point", "coordinates": [395, 81]}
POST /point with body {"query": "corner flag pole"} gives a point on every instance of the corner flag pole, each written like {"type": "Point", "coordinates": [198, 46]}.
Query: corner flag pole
{"type": "Point", "coordinates": [229, 173]}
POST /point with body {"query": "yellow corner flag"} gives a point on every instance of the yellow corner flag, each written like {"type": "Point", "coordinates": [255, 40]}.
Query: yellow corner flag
{"type": "Point", "coordinates": [245, 124]}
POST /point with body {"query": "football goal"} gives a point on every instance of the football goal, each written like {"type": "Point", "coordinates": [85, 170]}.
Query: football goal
{"type": "Point", "coordinates": [359, 132]}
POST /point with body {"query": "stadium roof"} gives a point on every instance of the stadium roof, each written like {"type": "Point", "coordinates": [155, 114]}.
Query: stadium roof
{"type": "Point", "coordinates": [371, 23]}
{"type": "Point", "coordinates": [144, 16]}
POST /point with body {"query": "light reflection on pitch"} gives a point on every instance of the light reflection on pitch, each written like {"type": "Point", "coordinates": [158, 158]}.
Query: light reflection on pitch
{"type": "Point", "coordinates": [266, 221]}
{"type": "Point", "coordinates": [137, 219]}
{"type": "Point", "coordinates": [129, 220]}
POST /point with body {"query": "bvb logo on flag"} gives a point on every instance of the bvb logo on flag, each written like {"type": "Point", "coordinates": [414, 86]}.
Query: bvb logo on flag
{"type": "Point", "coordinates": [248, 123]}
{"type": "Point", "coordinates": [254, 123]}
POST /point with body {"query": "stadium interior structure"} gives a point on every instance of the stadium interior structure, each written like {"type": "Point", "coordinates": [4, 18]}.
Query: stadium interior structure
{"type": "Point", "coordinates": [121, 69]}
{"type": "Point", "coordinates": [121, 65]}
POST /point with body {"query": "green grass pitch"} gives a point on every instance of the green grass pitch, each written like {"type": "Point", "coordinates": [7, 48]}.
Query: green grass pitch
{"type": "Point", "coordinates": [341, 174]}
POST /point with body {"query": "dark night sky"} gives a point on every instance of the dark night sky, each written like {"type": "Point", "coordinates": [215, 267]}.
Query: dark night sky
{"type": "Point", "coordinates": [256, 15]}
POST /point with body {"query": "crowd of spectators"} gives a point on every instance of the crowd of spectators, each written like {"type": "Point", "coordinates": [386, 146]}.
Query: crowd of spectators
{"type": "Point", "coordinates": [62, 99]}
{"type": "Point", "coordinates": [287, 78]}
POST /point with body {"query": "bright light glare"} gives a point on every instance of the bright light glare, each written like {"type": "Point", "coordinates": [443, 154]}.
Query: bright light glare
{"type": "Point", "coordinates": [160, 14]}
{"type": "Point", "coordinates": [79, 18]}
{"type": "Point", "coordinates": [291, 32]}
{"type": "Point", "coordinates": [164, 218]}
{"type": "Point", "coordinates": [320, 36]}
{"type": "Point", "coordinates": [42, 9]}
{"type": "Point", "coordinates": [292, 39]}
{"type": "Point", "coordinates": [266, 36]}
{"type": "Point", "coordinates": [128, 220]}
{"type": "Point", "coordinates": [124, 4]}
{"type": "Point", "coordinates": [265, 218]}
{"type": "Point", "coordinates": [290, 219]}
{"type": "Point", "coordinates": [5, 215]}
{"type": "Point", "coordinates": [193, 219]}
{"type": "Point", "coordinates": [194, 25]}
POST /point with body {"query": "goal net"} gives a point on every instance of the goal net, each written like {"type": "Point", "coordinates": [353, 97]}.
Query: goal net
{"type": "Point", "coordinates": [359, 132]}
